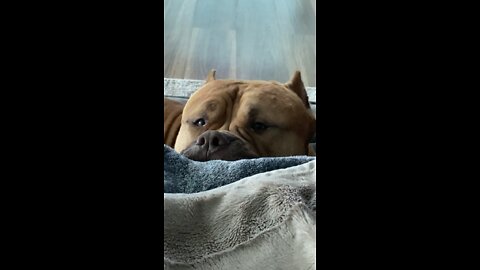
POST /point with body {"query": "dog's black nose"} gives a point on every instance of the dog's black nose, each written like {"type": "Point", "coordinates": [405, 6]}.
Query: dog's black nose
{"type": "Point", "coordinates": [212, 140]}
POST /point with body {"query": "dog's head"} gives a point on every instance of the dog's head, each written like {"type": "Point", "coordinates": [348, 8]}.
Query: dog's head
{"type": "Point", "coordinates": [232, 119]}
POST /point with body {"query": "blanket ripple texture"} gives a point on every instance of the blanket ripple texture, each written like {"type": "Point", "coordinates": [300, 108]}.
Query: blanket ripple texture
{"type": "Point", "coordinates": [182, 175]}
{"type": "Point", "coordinates": [265, 221]}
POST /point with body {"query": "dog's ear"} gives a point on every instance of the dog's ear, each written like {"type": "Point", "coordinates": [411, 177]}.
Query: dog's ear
{"type": "Point", "coordinates": [211, 75]}
{"type": "Point", "coordinates": [296, 85]}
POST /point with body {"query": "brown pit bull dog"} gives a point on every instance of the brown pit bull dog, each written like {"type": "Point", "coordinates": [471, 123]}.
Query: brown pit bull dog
{"type": "Point", "coordinates": [232, 119]}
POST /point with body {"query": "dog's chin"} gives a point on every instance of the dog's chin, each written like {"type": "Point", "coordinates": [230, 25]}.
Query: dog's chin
{"type": "Point", "coordinates": [195, 153]}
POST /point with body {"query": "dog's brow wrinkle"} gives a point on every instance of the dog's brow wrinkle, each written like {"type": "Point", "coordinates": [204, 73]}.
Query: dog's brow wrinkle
{"type": "Point", "coordinates": [234, 92]}
{"type": "Point", "coordinates": [253, 112]}
{"type": "Point", "coordinates": [211, 106]}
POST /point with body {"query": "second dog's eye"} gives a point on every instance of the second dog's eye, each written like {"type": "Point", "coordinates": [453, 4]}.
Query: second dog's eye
{"type": "Point", "coordinates": [258, 127]}
{"type": "Point", "coordinates": [199, 122]}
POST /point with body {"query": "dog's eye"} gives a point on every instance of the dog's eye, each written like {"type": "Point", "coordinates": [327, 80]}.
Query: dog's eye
{"type": "Point", "coordinates": [199, 122]}
{"type": "Point", "coordinates": [258, 127]}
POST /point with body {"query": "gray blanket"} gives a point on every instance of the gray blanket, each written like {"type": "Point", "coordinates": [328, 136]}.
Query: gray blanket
{"type": "Point", "coordinates": [266, 221]}
{"type": "Point", "coordinates": [182, 175]}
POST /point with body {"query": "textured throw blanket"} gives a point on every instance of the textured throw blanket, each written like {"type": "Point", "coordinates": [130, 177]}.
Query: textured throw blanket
{"type": "Point", "coordinates": [265, 221]}
{"type": "Point", "coordinates": [182, 175]}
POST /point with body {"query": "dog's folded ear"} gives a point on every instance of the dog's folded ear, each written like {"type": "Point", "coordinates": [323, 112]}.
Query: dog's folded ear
{"type": "Point", "coordinates": [211, 75]}
{"type": "Point", "coordinates": [296, 85]}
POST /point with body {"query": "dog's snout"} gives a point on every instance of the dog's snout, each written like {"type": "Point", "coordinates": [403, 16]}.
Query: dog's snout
{"type": "Point", "coordinates": [212, 139]}
{"type": "Point", "coordinates": [214, 144]}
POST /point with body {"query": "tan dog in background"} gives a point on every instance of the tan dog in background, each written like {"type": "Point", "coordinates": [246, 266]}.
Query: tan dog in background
{"type": "Point", "coordinates": [234, 119]}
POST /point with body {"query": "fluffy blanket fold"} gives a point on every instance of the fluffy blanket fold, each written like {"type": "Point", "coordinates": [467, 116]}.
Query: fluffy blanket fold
{"type": "Point", "coordinates": [182, 175]}
{"type": "Point", "coordinates": [265, 221]}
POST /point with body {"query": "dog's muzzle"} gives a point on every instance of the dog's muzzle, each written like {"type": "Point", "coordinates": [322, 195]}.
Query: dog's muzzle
{"type": "Point", "coordinates": [214, 144]}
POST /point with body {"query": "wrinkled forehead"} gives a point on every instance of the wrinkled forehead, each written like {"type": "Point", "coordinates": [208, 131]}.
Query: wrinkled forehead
{"type": "Point", "coordinates": [233, 91]}
{"type": "Point", "coordinates": [215, 89]}
{"type": "Point", "coordinates": [210, 96]}
{"type": "Point", "coordinates": [271, 107]}
{"type": "Point", "coordinates": [271, 95]}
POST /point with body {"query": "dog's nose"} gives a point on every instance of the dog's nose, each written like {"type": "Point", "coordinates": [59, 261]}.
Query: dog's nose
{"type": "Point", "coordinates": [212, 140]}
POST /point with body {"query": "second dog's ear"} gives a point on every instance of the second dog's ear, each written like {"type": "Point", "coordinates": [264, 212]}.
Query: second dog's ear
{"type": "Point", "coordinates": [211, 75]}
{"type": "Point", "coordinates": [296, 85]}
